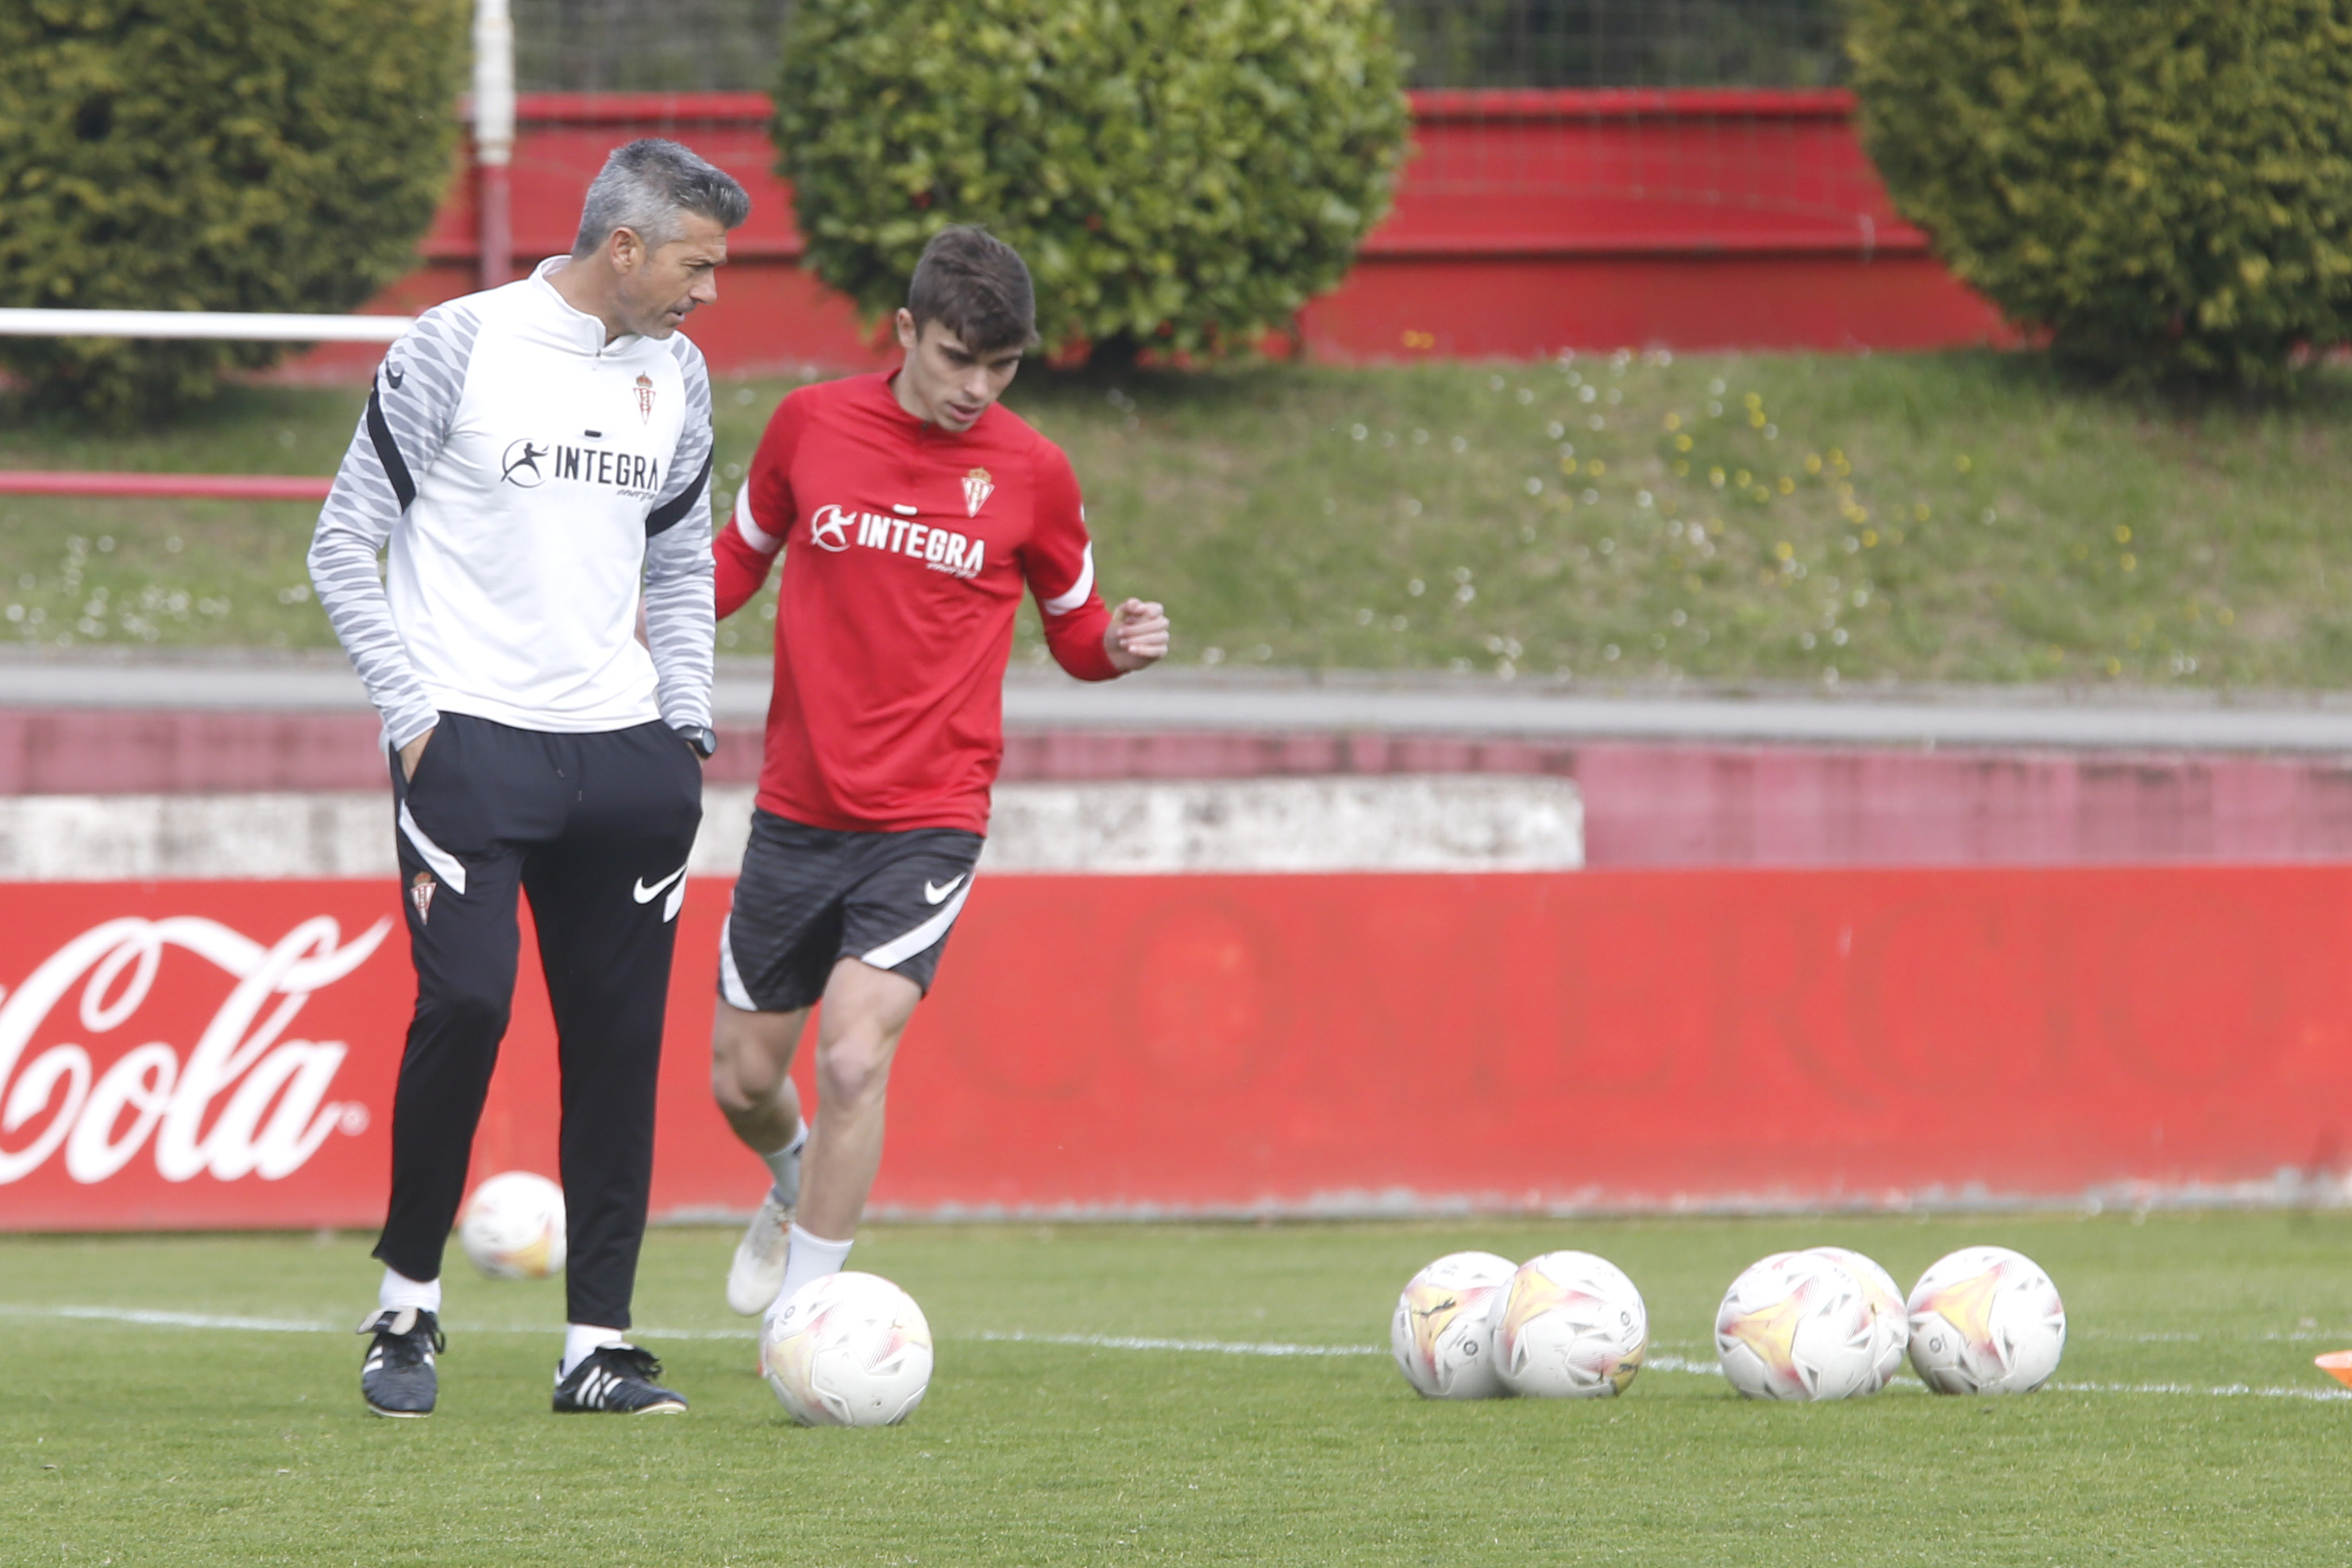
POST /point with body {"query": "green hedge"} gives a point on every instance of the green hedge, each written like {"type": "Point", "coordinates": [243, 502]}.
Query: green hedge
{"type": "Point", "coordinates": [211, 155]}
{"type": "Point", "coordinates": [2163, 187]}
{"type": "Point", "coordinates": [1177, 175]}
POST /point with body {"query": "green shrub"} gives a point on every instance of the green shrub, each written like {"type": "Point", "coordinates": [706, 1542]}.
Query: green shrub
{"type": "Point", "coordinates": [2163, 187]}
{"type": "Point", "coordinates": [210, 155]}
{"type": "Point", "coordinates": [1177, 175]}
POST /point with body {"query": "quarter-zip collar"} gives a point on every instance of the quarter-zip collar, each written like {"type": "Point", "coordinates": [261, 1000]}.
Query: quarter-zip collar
{"type": "Point", "coordinates": [570, 321]}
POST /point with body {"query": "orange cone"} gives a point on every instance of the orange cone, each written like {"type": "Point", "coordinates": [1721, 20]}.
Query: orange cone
{"type": "Point", "coordinates": [2337, 1364]}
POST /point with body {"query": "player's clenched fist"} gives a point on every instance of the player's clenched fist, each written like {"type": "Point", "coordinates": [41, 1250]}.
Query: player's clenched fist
{"type": "Point", "coordinates": [1137, 635]}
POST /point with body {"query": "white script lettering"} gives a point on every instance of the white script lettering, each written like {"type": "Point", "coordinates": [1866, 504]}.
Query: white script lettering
{"type": "Point", "coordinates": [277, 1112]}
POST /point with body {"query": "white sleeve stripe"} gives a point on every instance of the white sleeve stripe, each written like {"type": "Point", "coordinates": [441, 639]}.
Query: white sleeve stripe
{"type": "Point", "coordinates": [758, 537]}
{"type": "Point", "coordinates": [1063, 603]}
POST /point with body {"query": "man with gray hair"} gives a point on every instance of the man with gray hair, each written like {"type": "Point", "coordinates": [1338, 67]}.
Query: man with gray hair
{"type": "Point", "coordinates": [537, 460]}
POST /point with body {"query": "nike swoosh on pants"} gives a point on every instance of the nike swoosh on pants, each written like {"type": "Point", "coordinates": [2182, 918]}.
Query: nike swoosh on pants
{"type": "Point", "coordinates": [647, 894]}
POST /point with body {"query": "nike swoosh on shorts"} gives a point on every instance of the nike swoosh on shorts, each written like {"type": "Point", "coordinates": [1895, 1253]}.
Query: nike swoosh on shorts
{"type": "Point", "coordinates": [932, 895]}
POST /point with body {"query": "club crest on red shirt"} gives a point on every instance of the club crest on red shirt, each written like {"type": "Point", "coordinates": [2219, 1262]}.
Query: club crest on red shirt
{"type": "Point", "coordinates": [977, 487]}
{"type": "Point", "coordinates": [646, 399]}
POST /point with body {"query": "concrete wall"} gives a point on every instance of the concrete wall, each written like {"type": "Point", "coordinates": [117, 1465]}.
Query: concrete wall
{"type": "Point", "coordinates": [1644, 803]}
{"type": "Point", "coordinates": [1457, 823]}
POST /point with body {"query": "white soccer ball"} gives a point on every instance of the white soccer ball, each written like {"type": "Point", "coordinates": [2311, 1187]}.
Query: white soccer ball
{"type": "Point", "coordinates": [848, 1350]}
{"type": "Point", "coordinates": [1442, 1335]}
{"type": "Point", "coordinates": [1570, 1326]}
{"type": "Point", "coordinates": [1986, 1320]}
{"type": "Point", "coordinates": [1798, 1325]}
{"type": "Point", "coordinates": [513, 1226]}
{"type": "Point", "coordinates": [1890, 1318]}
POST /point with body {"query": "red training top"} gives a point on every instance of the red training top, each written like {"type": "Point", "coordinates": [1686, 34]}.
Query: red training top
{"type": "Point", "coordinates": [908, 547]}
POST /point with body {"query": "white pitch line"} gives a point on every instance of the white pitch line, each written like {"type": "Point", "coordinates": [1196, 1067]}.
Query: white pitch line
{"type": "Point", "coordinates": [148, 1318]}
{"type": "Point", "coordinates": [145, 1317]}
{"type": "Point", "coordinates": [2222, 1391]}
{"type": "Point", "coordinates": [1210, 1346]}
{"type": "Point", "coordinates": [1245, 1347]}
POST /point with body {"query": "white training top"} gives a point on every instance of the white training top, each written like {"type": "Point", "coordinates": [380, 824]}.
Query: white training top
{"type": "Point", "coordinates": [534, 483]}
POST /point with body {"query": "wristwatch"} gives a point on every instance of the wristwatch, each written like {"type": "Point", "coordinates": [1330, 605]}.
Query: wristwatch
{"type": "Point", "coordinates": [701, 737]}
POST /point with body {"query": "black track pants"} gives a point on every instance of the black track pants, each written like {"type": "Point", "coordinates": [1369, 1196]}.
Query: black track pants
{"type": "Point", "coordinates": [596, 829]}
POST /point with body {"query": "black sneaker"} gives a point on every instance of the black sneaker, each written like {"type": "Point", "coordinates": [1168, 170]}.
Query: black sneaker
{"type": "Point", "coordinates": [619, 1378]}
{"type": "Point", "coordinates": [397, 1378]}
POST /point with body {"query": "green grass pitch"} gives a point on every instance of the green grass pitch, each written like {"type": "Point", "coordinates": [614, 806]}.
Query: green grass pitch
{"type": "Point", "coordinates": [2186, 1424]}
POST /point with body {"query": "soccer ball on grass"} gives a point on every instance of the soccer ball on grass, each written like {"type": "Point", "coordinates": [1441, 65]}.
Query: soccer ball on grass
{"type": "Point", "coordinates": [1890, 1318]}
{"type": "Point", "coordinates": [1986, 1320]}
{"type": "Point", "coordinates": [1442, 1335]}
{"type": "Point", "coordinates": [513, 1226]}
{"type": "Point", "coordinates": [848, 1350]}
{"type": "Point", "coordinates": [1570, 1326]}
{"type": "Point", "coordinates": [1798, 1325]}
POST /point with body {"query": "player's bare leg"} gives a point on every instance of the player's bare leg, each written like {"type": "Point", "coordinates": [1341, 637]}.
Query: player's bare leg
{"type": "Point", "coordinates": [751, 1073]}
{"type": "Point", "coordinates": [865, 1012]}
{"type": "Point", "coordinates": [751, 1078]}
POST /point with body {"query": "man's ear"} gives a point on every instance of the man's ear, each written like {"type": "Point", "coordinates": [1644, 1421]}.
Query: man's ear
{"type": "Point", "coordinates": [908, 336]}
{"type": "Point", "coordinates": [627, 249]}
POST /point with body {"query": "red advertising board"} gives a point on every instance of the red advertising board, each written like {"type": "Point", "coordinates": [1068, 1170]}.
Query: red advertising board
{"type": "Point", "coordinates": [222, 1054]}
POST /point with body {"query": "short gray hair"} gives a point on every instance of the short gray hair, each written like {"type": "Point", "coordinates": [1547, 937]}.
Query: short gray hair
{"type": "Point", "coordinates": [645, 186]}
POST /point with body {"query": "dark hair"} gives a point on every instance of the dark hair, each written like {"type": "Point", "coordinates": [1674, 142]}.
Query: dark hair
{"type": "Point", "coordinates": [977, 286]}
{"type": "Point", "coordinates": [645, 186]}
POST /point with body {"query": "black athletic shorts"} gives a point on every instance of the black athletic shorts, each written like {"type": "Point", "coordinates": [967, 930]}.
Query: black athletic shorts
{"type": "Point", "coordinates": [810, 897]}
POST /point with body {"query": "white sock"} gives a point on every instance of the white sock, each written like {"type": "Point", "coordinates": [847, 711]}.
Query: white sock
{"type": "Point", "coordinates": [582, 1341]}
{"type": "Point", "coordinates": [399, 1291]}
{"type": "Point", "coordinates": [785, 1165]}
{"type": "Point", "coordinates": [811, 1257]}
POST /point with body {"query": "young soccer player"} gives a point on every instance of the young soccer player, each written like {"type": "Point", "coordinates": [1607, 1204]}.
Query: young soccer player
{"type": "Point", "coordinates": [911, 511]}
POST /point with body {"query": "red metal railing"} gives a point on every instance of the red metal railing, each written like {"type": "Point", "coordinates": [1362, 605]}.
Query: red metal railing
{"type": "Point", "coordinates": [175, 486]}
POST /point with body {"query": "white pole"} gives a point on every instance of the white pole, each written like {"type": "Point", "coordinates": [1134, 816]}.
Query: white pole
{"type": "Point", "coordinates": [254, 327]}
{"type": "Point", "coordinates": [493, 133]}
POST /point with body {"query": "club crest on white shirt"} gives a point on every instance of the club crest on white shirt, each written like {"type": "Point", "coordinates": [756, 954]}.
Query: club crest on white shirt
{"type": "Point", "coordinates": [977, 487]}
{"type": "Point", "coordinates": [646, 399]}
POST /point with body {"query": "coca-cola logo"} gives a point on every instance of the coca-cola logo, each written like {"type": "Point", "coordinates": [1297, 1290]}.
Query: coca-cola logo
{"type": "Point", "coordinates": [273, 1111]}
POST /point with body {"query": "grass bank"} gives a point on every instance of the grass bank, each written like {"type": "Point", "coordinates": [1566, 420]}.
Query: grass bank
{"type": "Point", "coordinates": [1956, 517]}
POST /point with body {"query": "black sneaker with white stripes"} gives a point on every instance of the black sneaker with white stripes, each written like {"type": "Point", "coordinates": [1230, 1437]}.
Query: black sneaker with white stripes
{"type": "Point", "coordinates": [619, 1379]}
{"type": "Point", "coordinates": [397, 1378]}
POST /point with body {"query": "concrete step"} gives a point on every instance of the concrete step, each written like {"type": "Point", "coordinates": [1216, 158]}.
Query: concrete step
{"type": "Point", "coordinates": [2002, 717]}
{"type": "Point", "coordinates": [1686, 790]}
{"type": "Point", "coordinates": [1458, 823]}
